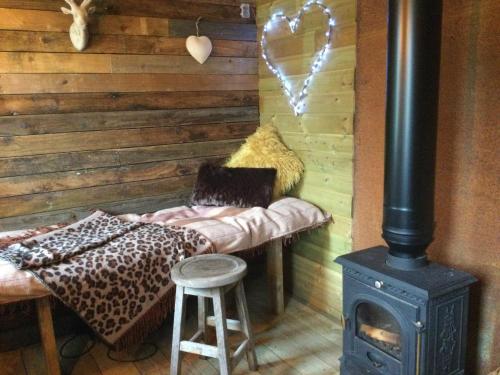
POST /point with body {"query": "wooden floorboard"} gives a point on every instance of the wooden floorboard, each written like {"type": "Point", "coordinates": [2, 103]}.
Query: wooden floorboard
{"type": "Point", "coordinates": [300, 342]}
{"type": "Point", "coordinates": [11, 363]}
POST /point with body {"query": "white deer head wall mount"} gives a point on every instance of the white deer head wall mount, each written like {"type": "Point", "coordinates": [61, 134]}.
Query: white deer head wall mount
{"type": "Point", "coordinates": [78, 31]}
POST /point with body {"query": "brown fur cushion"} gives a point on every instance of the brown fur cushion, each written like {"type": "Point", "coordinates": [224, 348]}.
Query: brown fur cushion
{"type": "Point", "coordinates": [238, 187]}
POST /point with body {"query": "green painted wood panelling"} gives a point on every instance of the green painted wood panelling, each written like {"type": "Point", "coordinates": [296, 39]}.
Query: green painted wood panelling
{"type": "Point", "coordinates": [322, 137]}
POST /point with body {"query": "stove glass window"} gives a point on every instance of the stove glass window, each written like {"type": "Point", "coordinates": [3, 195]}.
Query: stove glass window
{"type": "Point", "coordinates": [378, 326]}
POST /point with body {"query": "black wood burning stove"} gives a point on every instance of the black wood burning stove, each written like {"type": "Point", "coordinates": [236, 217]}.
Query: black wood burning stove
{"type": "Point", "coordinates": [402, 322]}
{"type": "Point", "coordinates": [403, 315]}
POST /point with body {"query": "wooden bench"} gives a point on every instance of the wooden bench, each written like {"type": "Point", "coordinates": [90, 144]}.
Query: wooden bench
{"type": "Point", "coordinates": [274, 256]}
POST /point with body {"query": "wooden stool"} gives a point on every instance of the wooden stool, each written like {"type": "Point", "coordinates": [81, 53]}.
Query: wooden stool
{"type": "Point", "coordinates": [211, 276]}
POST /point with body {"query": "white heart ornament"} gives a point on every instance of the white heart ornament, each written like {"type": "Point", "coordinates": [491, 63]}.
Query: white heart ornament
{"type": "Point", "coordinates": [199, 47]}
{"type": "Point", "coordinates": [297, 101]}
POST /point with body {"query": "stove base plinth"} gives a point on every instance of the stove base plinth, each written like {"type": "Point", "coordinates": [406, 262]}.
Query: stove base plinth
{"type": "Point", "coordinates": [350, 367]}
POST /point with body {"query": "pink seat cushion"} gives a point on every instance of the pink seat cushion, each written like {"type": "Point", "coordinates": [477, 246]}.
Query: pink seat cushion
{"type": "Point", "coordinates": [16, 285]}
{"type": "Point", "coordinates": [230, 229]}
{"type": "Point", "coordinates": [234, 229]}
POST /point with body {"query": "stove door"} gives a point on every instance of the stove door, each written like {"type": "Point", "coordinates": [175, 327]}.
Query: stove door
{"type": "Point", "coordinates": [378, 327]}
{"type": "Point", "coordinates": [379, 332]}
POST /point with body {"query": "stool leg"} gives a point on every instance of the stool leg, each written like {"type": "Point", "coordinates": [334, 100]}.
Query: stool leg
{"type": "Point", "coordinates": [221, 329]}
{"type": "Point", "coordinates": [241, 305]}
{"type": "Point", "coordinates": [202, 317]}
{"type": "Point", "coordinates": [178, 330]}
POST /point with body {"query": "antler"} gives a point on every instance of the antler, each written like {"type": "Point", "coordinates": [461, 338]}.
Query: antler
{"type": "Point", "coordinates": [72, 5]}
{"type": "Point", "coordinates": [85, 4]}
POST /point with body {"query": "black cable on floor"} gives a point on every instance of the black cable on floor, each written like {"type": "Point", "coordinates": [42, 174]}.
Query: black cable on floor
{"type": "Point", "coordinates": [154, 350]}
{"type": "Point", "coordinates": [92, 341]}
{"type": "Point", "coordinates": [87, 349]}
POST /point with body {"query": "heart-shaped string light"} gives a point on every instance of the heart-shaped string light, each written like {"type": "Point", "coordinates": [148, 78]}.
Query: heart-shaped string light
{"type": "Point", "coordinates": [297, 102]}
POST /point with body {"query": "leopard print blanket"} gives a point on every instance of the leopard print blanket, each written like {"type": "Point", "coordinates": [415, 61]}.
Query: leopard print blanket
{"type": "Point", "coordinates": [109, 271]}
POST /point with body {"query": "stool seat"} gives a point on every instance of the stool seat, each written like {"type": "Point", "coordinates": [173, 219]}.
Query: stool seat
{"type": "Point", "coordinates": [209, 271]}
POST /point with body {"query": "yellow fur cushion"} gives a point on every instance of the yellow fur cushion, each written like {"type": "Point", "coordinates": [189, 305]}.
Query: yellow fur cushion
{"type": "Point", "coordinates": [264, 149]}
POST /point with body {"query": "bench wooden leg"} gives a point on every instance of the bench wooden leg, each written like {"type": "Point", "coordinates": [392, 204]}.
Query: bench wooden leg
{"type": "Point", "coordinates": [47, 335]}
{"type": "Point", "coordinates": [275, 276]}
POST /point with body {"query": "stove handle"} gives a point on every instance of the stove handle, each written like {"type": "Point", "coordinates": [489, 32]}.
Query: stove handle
{"type": "Point", "coordinates": [344, 321]}
{"type": "Point", "coordinates": [375, 359]}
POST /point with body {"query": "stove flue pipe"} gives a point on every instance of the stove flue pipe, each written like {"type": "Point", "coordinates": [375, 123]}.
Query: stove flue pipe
{"type": "Point", "coordinates": [414, 40]}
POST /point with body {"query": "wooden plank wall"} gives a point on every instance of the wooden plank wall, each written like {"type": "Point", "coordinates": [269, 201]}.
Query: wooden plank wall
{"type": "Point", "coordinates": [125, 124]}
{"type": "Point", "coordinates": [322, 137]}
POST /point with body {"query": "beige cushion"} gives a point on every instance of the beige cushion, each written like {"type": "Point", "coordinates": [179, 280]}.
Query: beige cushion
{"type": "Point", "coordinates": [264, 149]}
